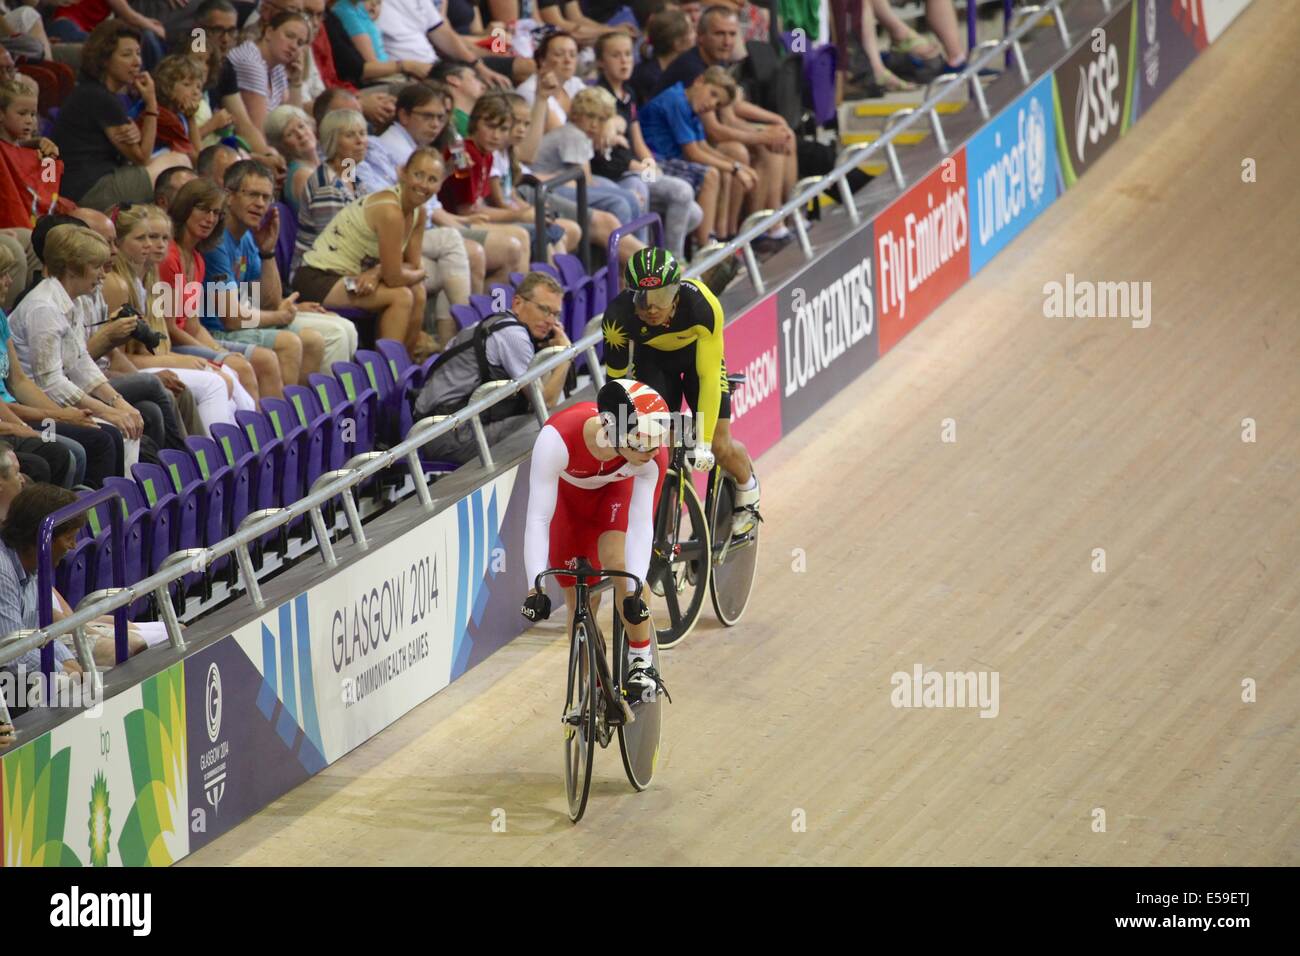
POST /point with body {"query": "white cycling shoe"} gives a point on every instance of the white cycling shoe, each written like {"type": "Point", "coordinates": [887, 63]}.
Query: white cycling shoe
{"type": "Point", "coordinates": [745, 511]}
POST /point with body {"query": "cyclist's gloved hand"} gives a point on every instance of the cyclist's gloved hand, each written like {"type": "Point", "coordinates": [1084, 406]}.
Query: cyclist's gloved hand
{"type": "Point", "coordinates": [700, 458]}
{"type": "Point", "coordinates": [537, 607]}
{"type": "Point", "coordinates": [634, 609]}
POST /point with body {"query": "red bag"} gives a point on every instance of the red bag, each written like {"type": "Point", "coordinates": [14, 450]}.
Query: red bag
{"type": "Point", "coordinates": [29, 188]}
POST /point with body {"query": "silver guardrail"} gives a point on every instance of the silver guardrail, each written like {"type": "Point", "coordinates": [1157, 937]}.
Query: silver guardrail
{"type": "Point", "coordinates": [362, 468]}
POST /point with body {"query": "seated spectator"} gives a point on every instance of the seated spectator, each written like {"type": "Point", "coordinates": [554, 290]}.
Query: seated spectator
{"type": "Point", "coordinates": [108, 159]}
{"type": "Point", "coordinates": [504, 346]}
{"type": "Point", "coordinates": [632, 165]}
{"type": "Point", "coordinates": [361, 34]}
{"type": "Point", "coordinates": [269, 71]}
{"type": "Point", "coordinates": [608, 205]}
{"type": "Point", "coordinates": [219, 21]}
{"type": "Point", "coordinates": [465, 87]}
{"type": "Point", "coordinates": [143, 236]}
{"type": "Point", "coordinates": [567, 15]}
{"type": "Point", "coordinates": [337, 98]}
{"type": "Point", "coordinates": [742, 130]}
{"type": "Point", "coordinates": [671, 126]}
{"type": "Point", "coordinates": [50, 340]}
{"type": "Point", "coordinates": [213, 162]}
{"type": "Point", "coordinates": [196, 212]}
{"type": "Point", "coordinates": [508, 171]}
{"type": "Point", "coordinates": [369, 256]}
{"type": "Point", "coordinates": [169, 183]}
{"type": "Point", "coordinates": [415, 31]}
{"type": "Point", "coordinates": [466, 191]}
{"type": "Point", "coordinates": [334, 183]}
{"type": "Point", "coordinates": [669, 33]}
{"type": "Point", "coordinates": [556, 54]}
{"type": "Point", "coordinates": [422, 113]}
{"type": "Point", "coordinates": [377, 104]}
{"type": "Point", "coordinates": [19, 551]}
{"type": "Point", "coordinates": [29, 453]}
{"type": "Point", "coordinates": [292, 133]}
{"type": "Point", "coordinates": [74, 23]}
{"type": "Point", "coordinates": [22, 154]}
{"type": "Point", "coordinates": [303, 336]}
{"type": "Point", "coordinates": [180, 90]}
{"type": "Point", "coordinates": [96, 450]}
{"type": "Point", "coordinates": [162, 401]}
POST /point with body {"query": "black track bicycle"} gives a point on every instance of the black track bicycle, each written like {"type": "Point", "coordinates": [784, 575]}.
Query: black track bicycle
{"type": "Point", "coordinates": [596, 700]}
{"type": "Point", "coordinates": [695, 552]}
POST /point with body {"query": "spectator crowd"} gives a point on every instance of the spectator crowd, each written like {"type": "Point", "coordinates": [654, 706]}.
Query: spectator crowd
{"type": "Point", "coordinates": [204, 202]}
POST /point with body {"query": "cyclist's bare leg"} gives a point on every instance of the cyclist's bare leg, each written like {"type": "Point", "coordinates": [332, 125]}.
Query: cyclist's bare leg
{"type": "Point", "coordinates": [612, 546]}
{"type": "Point", "coordinates": [731, 454]}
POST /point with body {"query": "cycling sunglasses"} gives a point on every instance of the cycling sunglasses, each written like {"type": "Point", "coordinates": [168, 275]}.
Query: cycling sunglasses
{"type": "Point", "coordinates": [660, 298]}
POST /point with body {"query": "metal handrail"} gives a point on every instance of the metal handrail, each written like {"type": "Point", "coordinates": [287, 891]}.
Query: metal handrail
{"type": "Point", "coordinates": [858, 154]}
{"type": "Point", "coordinates": [426, 430]}
{"type": "Point", "coordinates": [541, 190]}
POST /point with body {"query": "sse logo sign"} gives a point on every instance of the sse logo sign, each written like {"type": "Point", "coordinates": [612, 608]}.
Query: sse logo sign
{"type": "Point", "coordinates": [1092, 94]}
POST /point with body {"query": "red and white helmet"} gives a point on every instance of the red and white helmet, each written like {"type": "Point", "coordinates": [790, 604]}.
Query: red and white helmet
{"type": "Point", "coordinates": [634, 414]}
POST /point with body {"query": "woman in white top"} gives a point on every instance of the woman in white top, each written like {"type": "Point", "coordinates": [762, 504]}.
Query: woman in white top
{"type": "Point", "coordinates": [143, 232]}
{"type": "Point", "coordinates": [270, 70]}
{"type": "Point", "coordinates": [556, 54]}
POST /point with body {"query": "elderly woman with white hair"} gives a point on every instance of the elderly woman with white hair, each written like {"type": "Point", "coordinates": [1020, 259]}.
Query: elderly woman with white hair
{"type": "Point", "coordinates": [332, 184]}
{"type": "Point", "coordinates": [292, 132]}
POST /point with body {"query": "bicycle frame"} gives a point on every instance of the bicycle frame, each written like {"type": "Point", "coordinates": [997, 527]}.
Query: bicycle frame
{"type": "Point", "coordinates": [582, 594]}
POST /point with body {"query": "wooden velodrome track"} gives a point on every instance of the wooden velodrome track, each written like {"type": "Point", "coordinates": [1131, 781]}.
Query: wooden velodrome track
{"type": "Point", "coordinates": [1119, 691]}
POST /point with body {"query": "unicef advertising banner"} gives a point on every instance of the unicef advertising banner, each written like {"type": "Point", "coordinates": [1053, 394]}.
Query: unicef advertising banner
{"type": "Point", "coordinates": [827, 331]}
{"type": "Point", "coordinates": [253, 734]}
{"type": "Point", "coordinates": [1012, 171]}
{"type": "Point", "coordinates": [105, 788]}
{"type": "Point", "coordinates": [1169, 31]}
{"type": "Point", "coordinates": [343, 661]}
{"type": "Point", "coordinates": [1093, 94]}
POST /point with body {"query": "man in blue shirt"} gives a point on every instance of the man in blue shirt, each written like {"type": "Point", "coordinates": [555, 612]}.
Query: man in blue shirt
{"type": "Point", "coordinates": [672, 127]}
{"type": "Point", "coordinates": [18, 554]}
{"type": "Point", "coordinates": [244, 280]}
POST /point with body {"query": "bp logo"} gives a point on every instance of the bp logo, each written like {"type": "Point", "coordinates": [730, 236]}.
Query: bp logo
{"type": "Point", "coordinates": [100, 828]}
{"type": "Point", "coordinates": [1036, 150]}
{"type": "Point", "coordinates": [212, 703]}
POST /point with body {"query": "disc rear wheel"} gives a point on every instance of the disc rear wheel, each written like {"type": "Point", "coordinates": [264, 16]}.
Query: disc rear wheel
{"type": "Point", "coordinates": [735, 559]}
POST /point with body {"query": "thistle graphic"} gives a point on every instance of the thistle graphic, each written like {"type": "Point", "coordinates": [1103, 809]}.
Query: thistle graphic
{"type": "Point", "coordinates": [99, 825]}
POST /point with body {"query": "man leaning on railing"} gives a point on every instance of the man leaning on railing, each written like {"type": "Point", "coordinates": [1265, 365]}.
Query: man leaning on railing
{"type": "Point", "coordinates": [500, 347]}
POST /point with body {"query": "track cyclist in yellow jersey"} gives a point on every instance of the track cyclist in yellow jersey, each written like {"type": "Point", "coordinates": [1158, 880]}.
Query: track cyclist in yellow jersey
{"type": "Point", "coordinates": [666, 331]}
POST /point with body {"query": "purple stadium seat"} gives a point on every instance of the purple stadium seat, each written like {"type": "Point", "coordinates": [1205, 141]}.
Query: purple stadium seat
{"type": "Point", "coordinates": [237, 479]}
{"type": "Point", "coordinates": [75, 574]}
{"type": "Point", "coordinates": [284, 450]}
{"type": "Point", "coordinates": [365, 402]}
{"type": "Point", "coordinates": [483, 305]}
{"type": "Point", "coordinates": [186, 532]}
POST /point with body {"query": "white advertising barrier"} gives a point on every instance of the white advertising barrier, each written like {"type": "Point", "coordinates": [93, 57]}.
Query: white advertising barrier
{"type": "Point", "coordinates": [357, 651]}
{"type": "Point", "coordinates": [1219, 14]}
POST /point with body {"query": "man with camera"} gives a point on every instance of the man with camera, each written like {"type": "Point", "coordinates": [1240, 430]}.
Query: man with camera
{"type": "Point", "coordinates": [500, 347]}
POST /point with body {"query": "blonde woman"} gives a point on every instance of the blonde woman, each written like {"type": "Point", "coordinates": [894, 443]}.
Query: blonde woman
{"type": "Point", "coordinates": [142, 238]}
{"type": "Point", "coordinates": [292, 133]}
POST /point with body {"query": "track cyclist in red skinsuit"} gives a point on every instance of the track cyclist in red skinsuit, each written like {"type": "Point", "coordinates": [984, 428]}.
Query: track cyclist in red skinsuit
{"type": "Point", "coordinates": [594, 478]}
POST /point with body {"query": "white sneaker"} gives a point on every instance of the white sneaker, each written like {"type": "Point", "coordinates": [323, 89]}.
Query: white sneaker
{"type": "Point", "coordinates": [641, 683]}
{"type": "Point", "coordinates": [745, 511]}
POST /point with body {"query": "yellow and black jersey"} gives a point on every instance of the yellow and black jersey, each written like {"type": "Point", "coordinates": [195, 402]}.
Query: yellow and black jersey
{"type": "Point", "coordinates": [690, 343]}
